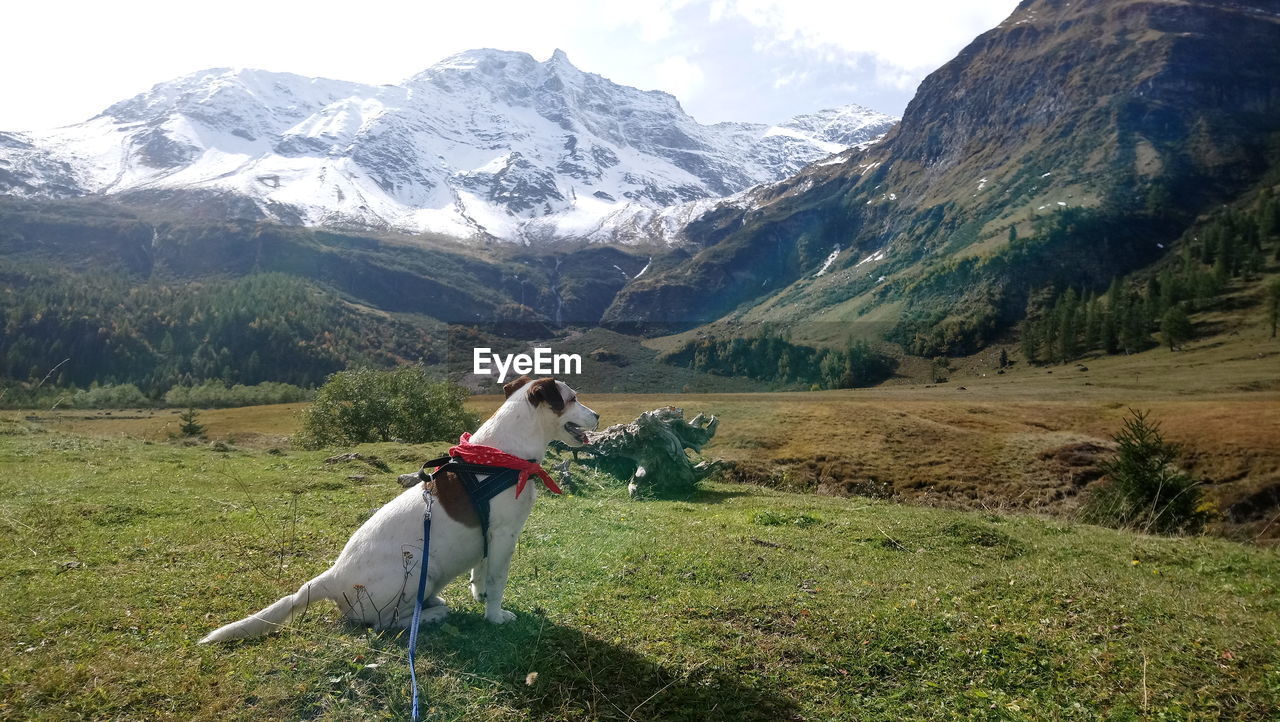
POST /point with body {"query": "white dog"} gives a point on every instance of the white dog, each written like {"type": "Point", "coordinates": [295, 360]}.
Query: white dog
{"type": "Point", "coordinates": [375, 579]}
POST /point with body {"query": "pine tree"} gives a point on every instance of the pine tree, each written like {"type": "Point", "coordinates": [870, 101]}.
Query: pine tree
{"type": "Point", "coordinates": [1229, 256]}
{"type": "Point", "coordinates": [1030, 342]}
{"type": "Point", "coordinates": [1112, 320]}
{"type": "Point", "coordinates": [1050, 329]}
{"type": "Point", "coordinates": [1068, 325]}
{"type": "Point", "coordinates": [1209, 245]}
{"type": "Point", "coordinates": [1133, 325]}
{"type": "Point", "coordinates": [1168, 289]}
{"type": "Point", "coordinates": [1269, 219]}
{"type": "Point", "coordinates": [1092, 324]}
{"type": "Point", "coordinates": [1273, 305]}
{"type": "Point", "coordinates": [1221, 272]}
{"type": "Point", "coordinates": [190, 425]}
{"type": "Point", "coordinates": [1253, 263]}
{"type": "Point", "coordinates": [1175, 327]}
{"type": "Point", "coordinates": [1144, 489]}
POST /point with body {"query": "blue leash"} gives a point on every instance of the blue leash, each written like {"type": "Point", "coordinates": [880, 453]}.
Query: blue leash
{"type": "Point", "coordinates": [417, 607]}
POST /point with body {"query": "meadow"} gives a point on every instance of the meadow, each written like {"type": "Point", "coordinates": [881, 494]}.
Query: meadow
{"type": "Point", "coordinates": [740, 602]}
{"type": "Point", "coordinates": [1028, 439]}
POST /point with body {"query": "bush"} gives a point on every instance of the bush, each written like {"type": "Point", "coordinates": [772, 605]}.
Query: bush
{"type": "Point", "coordinates": [215, 395]}
{"type": "Point", "coordinates": [118, 396]}
{"type": "Point", "coordinates": [404, 404]}
{"type": "Point", "coordinates": [1143, 489]}
{"type": "Point", "coordinates": [34, 396]}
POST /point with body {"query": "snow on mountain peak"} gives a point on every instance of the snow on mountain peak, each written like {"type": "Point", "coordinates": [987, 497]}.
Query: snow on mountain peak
{"type": "Point", "coordinates": [484, 143]}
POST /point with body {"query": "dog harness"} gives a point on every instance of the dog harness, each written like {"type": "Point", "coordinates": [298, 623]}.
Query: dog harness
{"type": "Point", "coordinates": [502, 471]}
{"type": "Point", "coordinates": [486, 472]}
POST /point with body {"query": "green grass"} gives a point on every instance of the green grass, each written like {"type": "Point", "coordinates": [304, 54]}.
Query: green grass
{"type": "Point", "coordinates": [739, 603]}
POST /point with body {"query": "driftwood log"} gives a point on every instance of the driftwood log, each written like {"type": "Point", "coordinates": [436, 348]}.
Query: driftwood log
{"type": "Point", "coordinates": [650, 451]}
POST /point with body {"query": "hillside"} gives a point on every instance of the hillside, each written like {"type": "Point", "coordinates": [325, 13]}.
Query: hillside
{"type": "Point", "coordinates": [737, 603]}
{"type": "Point", "coordinates": [149, 297]}
{"type": "Point", "coordinates": [1071, 144]}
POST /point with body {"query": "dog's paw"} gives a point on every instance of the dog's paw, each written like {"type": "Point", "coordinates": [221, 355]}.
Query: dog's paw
{"type": "Point", "coordinates": [501, 616]}
{"type": "Point", "coordinates": [478, 593]}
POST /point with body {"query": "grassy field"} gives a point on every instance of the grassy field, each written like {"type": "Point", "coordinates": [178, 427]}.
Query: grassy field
{"type": "Point", "coordinates": [1027, 439]}
{"type": "Point", "coordinates": [739, 603]}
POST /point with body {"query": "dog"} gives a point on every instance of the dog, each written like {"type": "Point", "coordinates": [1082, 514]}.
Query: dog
{"type": "Point", "coordinates": [374, 581]}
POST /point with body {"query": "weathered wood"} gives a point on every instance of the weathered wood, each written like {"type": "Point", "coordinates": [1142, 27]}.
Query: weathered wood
{"type": "Point", "coordinates": [650, 451]}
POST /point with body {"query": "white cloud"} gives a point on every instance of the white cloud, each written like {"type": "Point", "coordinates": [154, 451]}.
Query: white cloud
{"type": "Point", "coordinates": [795, 76]}
{"type": "Point", "coordinates": [680, 77]}
{"type": "Point", "coordinates": [906, 39]}
{"type": "Point", "coordinates": [735, 59]}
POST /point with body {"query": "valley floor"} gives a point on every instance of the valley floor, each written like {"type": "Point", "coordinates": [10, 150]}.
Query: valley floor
{"type": "Point", "coordinates": [746, 601]}
{"type": "Point", "coordinates": [1028, 439]}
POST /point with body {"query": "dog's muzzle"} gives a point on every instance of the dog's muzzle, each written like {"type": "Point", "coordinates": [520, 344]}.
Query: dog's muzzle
{"type": "Point", "coordinates": [578, 433]}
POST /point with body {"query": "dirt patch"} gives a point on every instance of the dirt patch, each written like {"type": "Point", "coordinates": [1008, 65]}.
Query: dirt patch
{"type": "Point", "coordinates": [1080, 462]}
{"type": "Point", "coordinates": [820, 475]}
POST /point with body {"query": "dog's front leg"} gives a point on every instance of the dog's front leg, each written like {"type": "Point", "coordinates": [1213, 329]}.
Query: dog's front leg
{"type": "Point", "coordinates": [478, 581]}
{"type": "Point", "coordinates": [496, 568]}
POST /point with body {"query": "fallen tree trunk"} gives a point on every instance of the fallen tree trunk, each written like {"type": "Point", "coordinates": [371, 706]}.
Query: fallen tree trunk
{"type": "Point", "coordinates": [650, 451]}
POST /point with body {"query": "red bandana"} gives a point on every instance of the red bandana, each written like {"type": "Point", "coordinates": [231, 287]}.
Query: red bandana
{"type": "Point", "coordinates": [489, 456]}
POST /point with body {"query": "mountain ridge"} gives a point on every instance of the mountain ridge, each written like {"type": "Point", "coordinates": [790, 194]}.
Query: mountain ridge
{"type": "Point", "coordinates": [483, 144]}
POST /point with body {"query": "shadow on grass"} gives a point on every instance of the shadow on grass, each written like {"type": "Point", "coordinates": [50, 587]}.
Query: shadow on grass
{"type": "Point", "coordinates": [712, 496]}
{"type": "Point", "coordinates": [580, 676]}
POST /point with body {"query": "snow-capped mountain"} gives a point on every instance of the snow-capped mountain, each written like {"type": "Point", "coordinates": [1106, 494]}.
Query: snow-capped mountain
{"type": "Point", "coordinates": [485, 143]}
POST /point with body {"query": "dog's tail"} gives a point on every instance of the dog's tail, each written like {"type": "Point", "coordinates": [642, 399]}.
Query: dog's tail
{"type": "Point", "coordinates": [273, 617]}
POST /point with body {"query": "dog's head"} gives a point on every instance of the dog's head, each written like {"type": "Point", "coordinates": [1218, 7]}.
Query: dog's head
{"type": "Point", "coordinates": [558, 406]}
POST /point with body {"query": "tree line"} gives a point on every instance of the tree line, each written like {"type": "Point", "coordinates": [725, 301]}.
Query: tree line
{"type": "Point", "coordinates": [770, 357]}
{"type": "Point", "coordinates": [208, 395]}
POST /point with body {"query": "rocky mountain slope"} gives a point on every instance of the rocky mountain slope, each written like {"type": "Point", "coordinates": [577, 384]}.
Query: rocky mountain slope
{"type": "Point", "coordinates": [486, 143]}
{"type": "Point", "coordinates": [1073, 142]}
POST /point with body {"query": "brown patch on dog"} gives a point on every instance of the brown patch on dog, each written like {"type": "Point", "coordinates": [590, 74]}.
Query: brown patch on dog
{"type": "Point", "coordinates": [546, 390]}
{"type": "Point", "coordinates": [447, 488]}
{"type": "Point", "coordinates": [514, 385]}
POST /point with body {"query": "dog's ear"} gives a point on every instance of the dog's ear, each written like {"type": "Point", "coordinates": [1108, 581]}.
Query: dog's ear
{"type": "Point", "coordinates": [548, 391]}
{"type": "Point", "coordinates": [514, 386]}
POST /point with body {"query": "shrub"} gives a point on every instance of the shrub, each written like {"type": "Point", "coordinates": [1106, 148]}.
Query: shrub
{"type": "Point", "coordinates": [404, 404]}
{"type": "Point", "coordinates": [1143, 489]}
{"type": "Point", "coordinates": [116, 396]}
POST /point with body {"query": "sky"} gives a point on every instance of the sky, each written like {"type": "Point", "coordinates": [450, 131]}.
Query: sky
{"type": "Point", "coordinates": [747, 60]}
